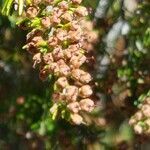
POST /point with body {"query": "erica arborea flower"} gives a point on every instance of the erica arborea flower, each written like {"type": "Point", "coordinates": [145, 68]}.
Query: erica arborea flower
{"type": "Point", "coordinates": [59, 46]}
{"type": "Point", "coordinates": [140, 121]}
{"type": "Point", "coordinates": [32, 12]}
{"type": "Point", "coordinates": [86, 105]}
{"type": "Point", "coordinates": [74, 107]}
{"type": "Point", "coordinates": [70, 93]}
{"type": "Point", "coordinates": [85, 91]}
{"type": "Point", "coordinates": [62, 82]}
{"type": "Point", "coordinates": [76, 119]}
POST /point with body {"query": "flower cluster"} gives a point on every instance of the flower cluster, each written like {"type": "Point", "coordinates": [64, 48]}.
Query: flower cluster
{"type": "Point", "coordinates": [141, 119]}
{"type": "Point", "coordinates": [60, 41]}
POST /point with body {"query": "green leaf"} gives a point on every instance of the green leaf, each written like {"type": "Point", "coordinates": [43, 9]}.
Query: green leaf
{"type": "Point", "coordinates": [7, 7]}
{"type": "Point", "coordinates": [20, 9]}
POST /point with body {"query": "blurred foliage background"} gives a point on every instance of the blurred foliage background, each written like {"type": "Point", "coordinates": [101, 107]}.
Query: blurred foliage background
{"type": "Point", "coordinates": [122, 75]}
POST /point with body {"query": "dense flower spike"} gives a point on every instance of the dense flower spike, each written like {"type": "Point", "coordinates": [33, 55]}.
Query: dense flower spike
{"type": "Point", "coordinates": [141, 119]}
{"type": "Point", "coordinates": [60, 44]}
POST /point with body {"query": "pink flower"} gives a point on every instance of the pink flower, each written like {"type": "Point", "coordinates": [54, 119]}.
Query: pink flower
{"type": "Point", "coordinates": [32, 12]}
{"type": "Point", "coordinates": [33, 33]}
{"type": "Point", "coordinates": [74, 25]}
{"type": "Point", "coordinates": [138, 115]}
{"type": "Point", "coordinates": [46, 23]}
{"type": "Point", "coordinates": [81, 75]}
{"type": "Point", "coordinates": [48, 1]}
{"type": "Point", "coordinates": [64, 70]}
{"type": "Point", "coordinates": [57, 12]}
{"type": "Point", "coordinates": [87, 105]}
{"type": "Point", "coordinates": [147, 100]}
{"type": "Point", "coordinates": [85, 91]}
{"type": "Point", "coordinates": [70, 51]}
{"type": "Point", "coordinates": [36, 59]}
{"type": "Point", "coordinates": [61, 34]}
{"type": "Point", "coordinates": [76, 119]}
{"type": "Point", "coordinates": [54, 68]}
{"type": "Point", "coordinates": [32, 48]}
{"type": "Point", "coordinates": [37, 39]}
{"type": "Point", "coordinates": [77, 60]}
{"type": "Point", "coordinates": [74, 107]}
{"type": "Point", "coordinates": [75, 36]}
{"type": "Point", "coordinates": [147, 122]}
{"type": "Point", "coordinates": [81, 11]}
{"type": "Point", "coordinates": [63, 5]}
{"type": "Point", "coordinates": [62, 82]}
{"type": "Point", "coordinates": [138, 129]}
{"type": "Point", "coordinates": [76, 1]}
{"type": "Point", "coordinates": [57, 97]}
{"type": "Point", "coordinates": [52, 41]}
{"type": "Point", "coordinates": [58, 53]}
{"type": "Point", "coordinates": [132, 121]}
{"type": "Point", "coordinates": [36, 2]}
{"type": "Point", "coordinates": [146, 110]}
{"type": "Point", "coordinates": [43, 73]}
{"type": "Point", "coordinates": [71, 93]}
{"type": "Point", "coordinates": [48, 58]}
{"type": "Point", "coordinates": [67, 17]}
{"type": "Point", "coordinates": [85, 77]}
{"type": "Point", "coordinates": [55, 20]}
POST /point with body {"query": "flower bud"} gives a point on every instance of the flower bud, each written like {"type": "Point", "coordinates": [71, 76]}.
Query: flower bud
{"type": "Point", "coordinates": [76, 119]}
{"type": "Point", "coordinates": [70, 51]}
{"type": "Point", "coordinates": [76, 73]}
{"type": "Point", "coordinates": [43, 74]}
{"type": "Point", "coordinates": [63, 5]}
{"type": "Point", "coordinates": [37, 59]}
{"type": "Point", "coordinates": [146, 110]}
{"type": "Point", "coordinates": [77, 60]}
{"type": "Point", "coordinates": [33, 33]}
{"type": "Point", "coordinates": [74, 25]}
{"type": "Point", "coordinates": [55, 20]}
{"type": "Point", "coordinates": [54, 68]}
{"type": "Point", "coordinates": [46, 23]}
{"type": "Point", "coordinates": [138, 129]}
{"type": "Point", "coordinates": [147, 122]}
{"type": "Point", "coordinates": [87, 105]}
{"type": "Point", "coordinates": [81, 75]}
{"type": "Point", "coordinates": [74, 107]}
{"type": "Point", "coordinates": [67, 17]}
{"type": "Point", "coordinates": [57, 12]}
{"type": "Point", "coordinates": [32, 12]}
{"type": "Point", "coordinates": [48, 58]}
{"type": "Point", "coordinates": [32, 48]}
{"type": "Point", "coordinates": [138, 116]}
{"type": "Point", "coordinates": [37, 39]}
{"type": "Point", "coordinates": [147, 100]}
{"type": "Point", "coordinates": [81, 11]}
{"type": "Point", "coordinates": [132, 121]}
{"type": "Point", "coordinates": [71, 93]}
{"type": "Point", "coordinates": [76, 1]}
{"type": "Point", "coordinates": [58, 53]}
{"type": "Point", "coordinates": [85, 91]}
{"type": "Point", "coordinates": [48, 1]}
{"type": "Point", "coordinates": [52, 41]}
{"type": "Point", "coordinates": [36, 2]}
{"type": "Point", "coordinates": [74, 36]}
{"type": "Point", "coordinates": [64, 70]}
{"type": "Point", "coordinates": [61, 34]}
{"type": "Point", "coordinates": [85, 77]}
{"type": "Point", "coordinates": [57, 97]}
{"type": "Point", "coordinates": [62, 82]}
